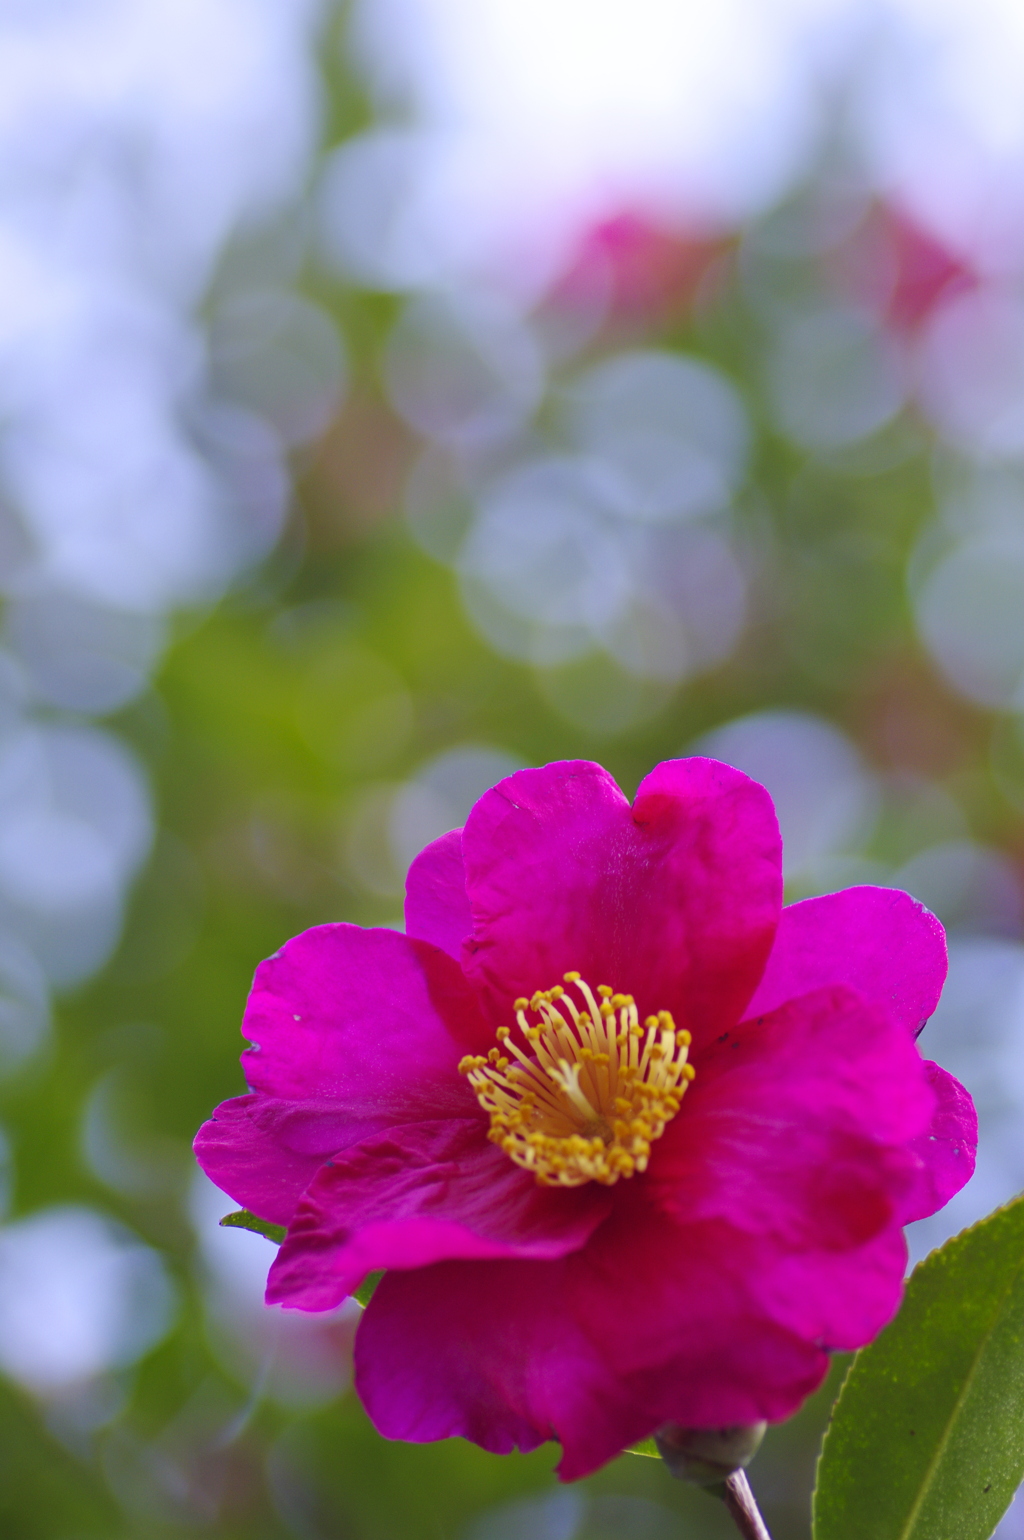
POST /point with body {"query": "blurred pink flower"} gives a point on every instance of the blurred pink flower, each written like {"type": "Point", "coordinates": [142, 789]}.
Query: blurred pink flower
{"type": "Point", "coordinates": [897, 268]}
{"type": "Point", "coordinates": [647, 272]}
{"type": "Point", "coordinates": [618, 1214]}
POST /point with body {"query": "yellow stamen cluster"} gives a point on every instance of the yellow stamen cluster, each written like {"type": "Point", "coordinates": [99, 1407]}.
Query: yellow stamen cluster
{"type": "Point", "coordinates": [596, 1092]}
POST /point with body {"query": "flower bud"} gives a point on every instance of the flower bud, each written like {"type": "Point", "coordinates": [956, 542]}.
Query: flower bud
{"type": "Point", "coordinates": [708, 1455]}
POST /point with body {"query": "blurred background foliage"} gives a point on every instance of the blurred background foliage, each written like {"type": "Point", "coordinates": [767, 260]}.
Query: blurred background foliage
{"type": "Point", "coordinates": [358, 450]}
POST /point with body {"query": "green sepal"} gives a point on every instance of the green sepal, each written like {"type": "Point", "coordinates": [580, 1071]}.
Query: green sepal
{"type": "Point", "coordinates": [243, 1220]}
{"type": "Point", "coordinates": [364, 1293]}
{"type": "Point", "coordinates": [927, 1436]}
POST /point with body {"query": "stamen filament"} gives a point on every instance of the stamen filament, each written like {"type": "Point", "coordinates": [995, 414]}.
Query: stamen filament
{"type": "Point", "coordinates": [596, 1092]}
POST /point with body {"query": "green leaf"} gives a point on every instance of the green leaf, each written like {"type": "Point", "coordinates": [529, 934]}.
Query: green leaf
{"type": "Point", "coordinates": [647, 1447]}
{"type": "Point", "coordinates": [364, 1293]}
{"type": "Point", "coordinates": [243, 1220]}
{"type": "Point", "coordinates": [927, 1436]}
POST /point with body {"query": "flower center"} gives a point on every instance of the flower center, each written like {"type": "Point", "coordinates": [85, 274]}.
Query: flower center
{"type": "Point", "coordinates": [597, 1091]}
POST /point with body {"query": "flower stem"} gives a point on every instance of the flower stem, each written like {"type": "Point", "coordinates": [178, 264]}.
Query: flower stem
{"type": "Point", "coordinates": [739, 1499]}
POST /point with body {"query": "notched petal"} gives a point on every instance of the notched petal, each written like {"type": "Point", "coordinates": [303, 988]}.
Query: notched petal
{"type": "Point", "coordinates": [674, 900]}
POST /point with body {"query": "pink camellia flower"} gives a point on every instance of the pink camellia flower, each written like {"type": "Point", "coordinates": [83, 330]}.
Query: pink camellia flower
{"type": "Point", "coordinates": [634, 1144]}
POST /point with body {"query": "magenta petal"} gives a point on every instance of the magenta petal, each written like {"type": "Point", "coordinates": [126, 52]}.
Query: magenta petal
{"type": "Point", "coordinates": [242, 1150]}
{"type": "Point", "coordinates": [800, 1131]}
{"type": "Point", "coordinates": [946, 1149]}
{"type": "Point", "coordinates": [840, 1299]}
{"type": "Point", "coordinates": [641, 1327]}
{"type": "Point", "coordinates": [418, 1195]}
{"type": "Point", "coordinates": [365, 1020]}
{"type": "Point", "coordinates": [675, 899]}
{"type": "Point", "coordinates": [675, 1314]}
{"type": "Point", "coordinates": [437, 1355]}
{"type": "Point", "coordinates": [797, 1125]}
{"type": "Point", "coordinates": [352, 1031]}
{"type": "Point", "coordinates": [881, 942]}
{"type": "Point", "coordinates": [436, 903]}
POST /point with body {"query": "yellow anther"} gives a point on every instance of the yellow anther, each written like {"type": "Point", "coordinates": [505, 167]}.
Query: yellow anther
{"type": "Point", "coordinates": [572, 977]}
{"type": "Point", "coordinates": [521, 1004]}
{"type": "Point", "coordinates": [589, 1100]}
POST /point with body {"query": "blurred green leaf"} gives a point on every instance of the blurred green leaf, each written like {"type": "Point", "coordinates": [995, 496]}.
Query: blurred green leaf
{"type": "Point", "coordinates": [927, 1437]}
{"type": "Point", "coordinates": [44, 1489]}
{"type": "Point", "coordinates": [243, 1220]}
{"type": "Point", "coordinates": [647, 1447]}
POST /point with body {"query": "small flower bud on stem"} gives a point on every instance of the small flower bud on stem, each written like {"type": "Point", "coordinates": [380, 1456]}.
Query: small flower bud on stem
{"type": "Point", "coordinates": [714, 1459]}
{"type": "Point", "coordinates": [708, 1456]}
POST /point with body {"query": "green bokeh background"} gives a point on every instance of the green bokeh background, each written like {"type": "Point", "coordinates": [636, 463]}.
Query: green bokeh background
{"type": "Point", "coordinates": [263, 730]}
